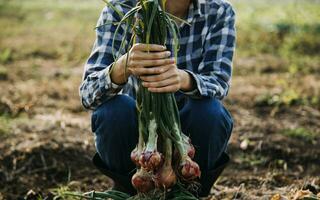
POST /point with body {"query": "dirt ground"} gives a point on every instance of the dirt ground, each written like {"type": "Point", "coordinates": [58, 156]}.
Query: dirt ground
{"type": "Point", "coordinates": [46, 140]}
{"type": "Point", "coordinates": [52, 145]}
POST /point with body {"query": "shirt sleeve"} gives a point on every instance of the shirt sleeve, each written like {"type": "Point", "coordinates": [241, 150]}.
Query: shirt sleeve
{"type": "Point", "coordinates": [215, 70]}
{"type": "Point", "coordinates": [96, 86]}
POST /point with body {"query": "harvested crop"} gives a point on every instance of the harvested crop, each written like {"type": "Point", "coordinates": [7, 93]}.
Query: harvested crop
{"type": "Point", "coordinates": [160, 137]}
{"type": "Point", "coordinates": [165, 177]}
{"type": "Point", "coordinates": [142, 181]}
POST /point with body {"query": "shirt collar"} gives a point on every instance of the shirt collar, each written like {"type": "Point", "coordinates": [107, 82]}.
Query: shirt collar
{"type": "Point", "coordinates": [195, 10]}
{"type": "Point", "coordinates": [198, 7]}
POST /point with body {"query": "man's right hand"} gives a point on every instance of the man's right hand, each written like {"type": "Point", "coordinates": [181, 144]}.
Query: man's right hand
{"type": "Point", "coordinates": [143, 60]}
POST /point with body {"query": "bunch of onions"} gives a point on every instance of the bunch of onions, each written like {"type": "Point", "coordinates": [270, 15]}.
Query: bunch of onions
{"type": "Point", "coordinates": [160, 135]}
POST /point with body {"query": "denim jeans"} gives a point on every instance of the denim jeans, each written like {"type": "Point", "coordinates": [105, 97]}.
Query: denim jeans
{"type": "Point", "coordinates": [205, 121]}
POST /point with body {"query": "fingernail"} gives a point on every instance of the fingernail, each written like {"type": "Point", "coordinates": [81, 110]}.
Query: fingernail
{"type": "Point", "coordinates": [168, 53]}
{"type": "Point", "coordinates": [164, 47]}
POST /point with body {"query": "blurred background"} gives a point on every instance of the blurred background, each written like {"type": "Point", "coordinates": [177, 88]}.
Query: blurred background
{"type": "Point", "coordinates": [46, 141]}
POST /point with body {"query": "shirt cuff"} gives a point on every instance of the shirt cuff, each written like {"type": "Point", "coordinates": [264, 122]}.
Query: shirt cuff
{"type": "Point", "coordinates": [196, 93]}
{"type": "Point", "coordinates": [109, 84]}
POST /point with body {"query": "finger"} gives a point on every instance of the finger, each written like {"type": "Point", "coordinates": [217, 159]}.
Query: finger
{"type": "Point", "coordinates": [141, 71]}
{"type": "Point", "coordinates": [152, 63]}
{"type": "Point", "coordinates": [150, 56]}
{"type": "Point", "coordinates": [165, 75]}
{"type": "Point", "coordinates": [148, 47]}
{"type": "Point", "coordinates": [170, 88]}
{"type": "Point", "coordinates": [159, 84]}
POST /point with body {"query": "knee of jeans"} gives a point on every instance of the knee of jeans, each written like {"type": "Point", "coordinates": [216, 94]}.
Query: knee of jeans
{"type": "Point", "coordinates": [210, 113]}
{"type": "Point", "coordinates": [114, 111]}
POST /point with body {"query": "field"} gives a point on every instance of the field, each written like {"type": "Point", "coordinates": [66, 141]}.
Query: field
{"type": "Point", "coordinates": [46, 141]}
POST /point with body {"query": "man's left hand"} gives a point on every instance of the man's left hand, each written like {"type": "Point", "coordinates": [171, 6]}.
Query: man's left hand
{"type": "Point", "coordinates": [171, 79]}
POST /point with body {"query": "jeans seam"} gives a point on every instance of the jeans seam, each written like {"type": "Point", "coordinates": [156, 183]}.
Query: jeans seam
{"type": "Point", "coordinates": [93, 122]}
{"type": "Point", "coordinates": [228, 117]}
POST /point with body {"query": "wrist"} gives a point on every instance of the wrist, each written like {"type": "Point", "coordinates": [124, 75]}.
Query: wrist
{"type": "Point", "coordinates": [187, 82]}
{"type": "Point", "coordinates": [118, 73]}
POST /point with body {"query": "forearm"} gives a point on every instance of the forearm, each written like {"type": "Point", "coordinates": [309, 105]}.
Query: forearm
{"type": "Point", "coordinates": [213, 85]}
{"type": "Point", "coordinates": [119, 75]}
{"type": "Point", "coordinates": [97, 87]}
{"type": "Point", "coordinates": [100, 82]}
{"type": "Point", "coordinates": [187, 81]}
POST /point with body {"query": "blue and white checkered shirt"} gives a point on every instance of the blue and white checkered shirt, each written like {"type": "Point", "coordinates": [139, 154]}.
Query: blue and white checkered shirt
{"type": "Point", "coordinates": [206, 51]}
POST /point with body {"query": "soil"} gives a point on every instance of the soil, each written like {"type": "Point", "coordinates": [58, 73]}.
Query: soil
{"type": "Point", "coordinates": [50, 143]}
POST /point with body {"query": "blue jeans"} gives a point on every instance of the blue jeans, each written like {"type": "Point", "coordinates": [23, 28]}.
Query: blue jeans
{"type": "Point", "coordinates": [115, 125]}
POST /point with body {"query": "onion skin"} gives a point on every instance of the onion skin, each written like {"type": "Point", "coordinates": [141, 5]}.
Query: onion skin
{"type": "Point", "coordinates": [142, 181]}
{"type": "Point", "coordinates": [135, 157]}
{"type": "Point", "coordinates": [189, 169]}
{"type": "Point", "coordinates": [150, 160]}
{"type": "Point", "coordinates": [190, 150]}
{"type": "Point", "coordinates": [165, 178]}
{"type": "Point", "coordinates": [188, 145]}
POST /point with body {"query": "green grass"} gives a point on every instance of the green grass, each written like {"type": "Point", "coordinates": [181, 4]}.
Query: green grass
{"type": "Point", "coordinates": [300, 133]}
{"type": "Point", "coordinates": [263, 26]}
{"type": "Point", "coordinates": [259, 22]}
{"type": "Point", "coordinates": [4, 125]}
{"type": "Point", "coordinates": [287, 98]}
{"type": "Point", "coordinates": [60, 30]}
{"type": "Point", "coordinates": [5, 56]}
{"type": "Point", "coordinates": [291, 91]}
{"type": "Point", "coordinates": [3, 73]}
{"type": "Point", "coordinates": [7, 122]}
{"type": "Point", "coordinates": [287, 29]}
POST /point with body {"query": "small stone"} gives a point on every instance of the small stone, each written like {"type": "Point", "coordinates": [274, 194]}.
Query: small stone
{"type": "Point", "coordinates": [276, 197]}
{"type": "Point", "coordinates": [244, 144]}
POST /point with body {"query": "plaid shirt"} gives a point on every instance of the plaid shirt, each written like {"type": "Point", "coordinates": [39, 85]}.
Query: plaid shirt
{"type": "Point", "coordinates": [206, 50]}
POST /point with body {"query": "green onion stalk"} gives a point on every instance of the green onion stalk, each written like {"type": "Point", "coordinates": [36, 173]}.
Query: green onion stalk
{"type": "Point", "coordinates": [160, 135]}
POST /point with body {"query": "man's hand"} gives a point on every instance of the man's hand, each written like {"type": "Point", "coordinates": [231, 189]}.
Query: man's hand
{"type": "Point", "coordinates": [156, 61]}
{"type": "Point", "coordinates": [171, 79]}
{"type": "Point", "coordinates": [140, 62]}
{"type": "Point", "coordinates": [155, 68]}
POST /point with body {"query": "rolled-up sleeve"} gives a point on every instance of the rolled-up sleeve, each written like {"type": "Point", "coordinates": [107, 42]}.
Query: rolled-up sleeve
{"type": "Point", "coordinates": [96, 86]}
{"type": "Point", "coordinates": [215, 70]}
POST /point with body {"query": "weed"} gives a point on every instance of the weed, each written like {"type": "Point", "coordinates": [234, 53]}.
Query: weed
{"type": "Point", "coordinates": [300, 133]}
{"type": "Point", "coordinates": [5, 56]}
{"type": "Point", "coordinates": [60, 193]}
{"type": "Point", "coordinates": [4, 125]}
{"type": "Point", "coordinates": [287, 98]}
{"type": "Point", "coordinates": [3, 73]}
